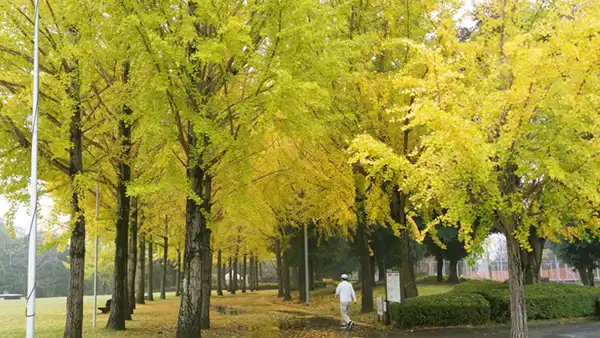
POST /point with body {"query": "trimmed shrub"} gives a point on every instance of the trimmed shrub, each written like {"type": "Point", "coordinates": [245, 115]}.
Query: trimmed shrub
{"type": "Point", "coordinates": [267, 286]}
{"type": "Point", "coordinates": [432, 280]}
{"type": "Point", "coordinates": [448, 309]}
{"type": "Point", "coordinates": [479, 285]}
{"type": "Point", "coordinates": [543, 301]}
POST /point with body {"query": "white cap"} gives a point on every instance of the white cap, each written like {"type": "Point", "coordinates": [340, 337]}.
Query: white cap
{"type": "Point", "coordinates": [345, 277]}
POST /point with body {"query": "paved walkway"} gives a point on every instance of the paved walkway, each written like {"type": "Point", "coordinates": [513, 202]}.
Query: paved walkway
{"type": "Point", "coordinates": [580, 330]}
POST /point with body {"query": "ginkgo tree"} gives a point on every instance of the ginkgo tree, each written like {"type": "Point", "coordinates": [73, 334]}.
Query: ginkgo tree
{"type": "Point", "coordinates": [514, 133]}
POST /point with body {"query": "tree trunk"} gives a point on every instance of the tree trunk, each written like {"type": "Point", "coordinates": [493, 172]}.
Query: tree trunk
{"type": "Point", "coordinates": [223, 273]}
{"type": "Point", "coordinates": [197, 247]}
{"type": "Point", "coordinates": [219, 273]}
{"type": "Point", "coordinates": [439, 259]}
{"type": "Point", "coordinates": [381, 269]}
{"type": "Point", "coordinates": [453, 275]}
{"type": "Point", "coordinates": [178, 287]}
{"type": "Point", "coordinates": [407, 270]}
{"type": "Point", "coordinates": [287, 294]}
{"type": "Point", "coordinates": [518, 313]}
{"type": "Point", "coordinates": [244, 275]}
{"type": "Point", "coordinates": [150, 271]}
{"type": "Point", "coordinates": [141, 267]}
{"type": "Point", "coordinates": [257, 272]}
{"type": "Point", "coordinates": [372, 263]}
{"type": "Point", "coordinates": [279, 268]}
{"type": "Point", "coordinates": [74, 316]}
{"type": "Point", "coordinates": [583, 275]}
{"type": "Point", "coordinates": [234, 284]}
{"type": "Point", "coordinates": [362, 242]}
{"type": "Point", "coordinates": [407, 273]}
{"type": "Point", "coordinates": [295, 278]}
{"type": "Point", "coordinates": [132, 254]}
{"type": "Point", "coordinates": [230, 284]}
{"type": "Point", "coordinates": [302, 281]}
{"type": "Point", "coordinates": [591, 275]}
{"type": "Point", "coordinates": [311, 274]}
{"type": "Point", "coordinates": [165, 263]}
{"type": "Point", "coordinates": [119, 311]}
{"type": "Point", "coordinates": [251, 277]}
{"type": "Point", "coordinates": [532, 261]}
{"type": "Point", "coordinates": [206, 280]}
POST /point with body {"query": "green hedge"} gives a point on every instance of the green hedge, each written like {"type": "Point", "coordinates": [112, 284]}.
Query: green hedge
{"type": "Point", "coordinates": [543, 301]}
{"type": "Point", "coordinates": [432, 280]}
{"type": "Point", "coordinates": [449, 309]}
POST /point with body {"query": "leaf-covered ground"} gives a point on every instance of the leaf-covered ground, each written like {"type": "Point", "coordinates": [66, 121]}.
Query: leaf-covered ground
{"type": "Point", "coordinates": [259, 314]}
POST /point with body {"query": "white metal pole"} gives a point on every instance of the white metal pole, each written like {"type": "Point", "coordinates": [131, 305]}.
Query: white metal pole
{"type": "Point", "coordinates": [306, 262]}
{"type": "Point", "coordinates": [33, 185]}
{"type": "Point", "coordinates": [96, 258]}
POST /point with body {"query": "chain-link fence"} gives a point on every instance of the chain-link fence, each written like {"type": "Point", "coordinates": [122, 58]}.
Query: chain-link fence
{"type": "Point", "coordinates": [552, 270]}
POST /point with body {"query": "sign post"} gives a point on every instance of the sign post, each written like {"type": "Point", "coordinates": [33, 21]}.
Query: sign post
{"type": "Point", "coordinates": [393, 292]}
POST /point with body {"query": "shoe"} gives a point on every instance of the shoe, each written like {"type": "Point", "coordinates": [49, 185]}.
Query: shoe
{"type": "Point", "coordinates": [350, 325]}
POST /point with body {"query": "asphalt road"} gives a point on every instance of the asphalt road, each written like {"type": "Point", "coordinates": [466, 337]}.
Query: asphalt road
{"type": "Point", "coordinates": [580, 330]}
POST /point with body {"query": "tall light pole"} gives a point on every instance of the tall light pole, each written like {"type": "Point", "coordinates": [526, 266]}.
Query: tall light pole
{"type": "Point", "coordinates": [306, 263]}
{"type": "Point", "coordinates": [96, 258]}
{"type": "Point", "coordinates": [30, 313]}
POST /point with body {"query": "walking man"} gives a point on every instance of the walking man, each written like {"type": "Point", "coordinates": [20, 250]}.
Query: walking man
{"type": "Point", "coordinates": [346, 293]}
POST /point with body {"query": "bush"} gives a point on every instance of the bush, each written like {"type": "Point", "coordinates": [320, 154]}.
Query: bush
{"type": "Point", "coordinates": [432, 280]}
{"type": "Point", "coordinates": [543, 301]}
{"type": "Point", "coordinates": [449, 309]}
{"type": "Point", "coordinates": [268, 286]}
{"type": "Point", "coordinates": [479, 286]}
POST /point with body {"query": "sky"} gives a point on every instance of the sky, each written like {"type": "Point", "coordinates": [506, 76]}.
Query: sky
{"type": "Point", "coordinates": [22, 216]}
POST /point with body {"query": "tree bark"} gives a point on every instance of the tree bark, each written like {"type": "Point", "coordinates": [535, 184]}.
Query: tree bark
{"type": "Point", "coordinates": [234, 284]}
{"type": "Point", "coordinates": [453, 275]}
{"type": "Point", "coordinates": [295, 278]}
{"type": "Point", "coordinates": [372, 263]}
{"type": "Point", "coordinates": [257, 272]}
{"type": "Point", "coordinates": [518, 313]}
{"type": "Point", "coordinates": [150, 271]}
{"type": "Point", "coordinates": [219, 273]}
{"type": "Point", "coordinates": [223, 273]}
{"type": "Point", "coordinates": [407, 275]}
{"type": "Point", "coordinates": [279, 268]}
{"type": "Point", "coordinates": [287, 294]}
{"type": "Point", "coordinates": [311, 274]}
{"type": "Point", "coordinates": [197, 246]}
{"type": "Point", "coordinates": [439, 259]}
{"type": "Point", "coordinates": [165, 263]}
{"type": "Point", "coordinates": [132, 254]}
{"type": "Point", "coordinates": [362, 242]}
{"type": "Point", "coordinates": [230, 284]}
{"type": "Point", "coordinates": [532, 261]}
{"type": "Point", "coordinates": [119, 311]}
{"type": "Point", "coordinates": [583, 275]}
{"type": "Point", "coordinates": [251, 277]}
{"type": "Point", "coordinates": [244, 275]}
{"type": "Point", "coordinates": [381, 269]}
{"type": "Point", "coordinates": [178, 287]}
{"type": "Point", "coordinates": [74, 316]}
{"type": "Point", "coordinates": [141, 267]}
{"type": "Point", "coordinates": [302, 281]}
{"type": "Point", "coordinates": [206, 280]}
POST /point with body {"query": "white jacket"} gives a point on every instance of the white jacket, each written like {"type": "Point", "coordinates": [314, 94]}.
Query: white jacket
{"type": "Point", "coordinates": [346, 292]}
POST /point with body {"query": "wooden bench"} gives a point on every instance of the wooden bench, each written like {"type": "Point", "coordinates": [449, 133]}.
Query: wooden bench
{"type": "Point", "coordinates": [106, 309]}
{"type": "Point", "coordinates": [7, 296]}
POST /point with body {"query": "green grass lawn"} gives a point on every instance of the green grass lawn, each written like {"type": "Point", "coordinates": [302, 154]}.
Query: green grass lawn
{"type": "Point", "coordinates": [261, 315]}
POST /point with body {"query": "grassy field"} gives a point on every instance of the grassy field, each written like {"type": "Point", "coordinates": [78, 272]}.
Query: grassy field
{"type": "Point", "coordinates": [259, 314]}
